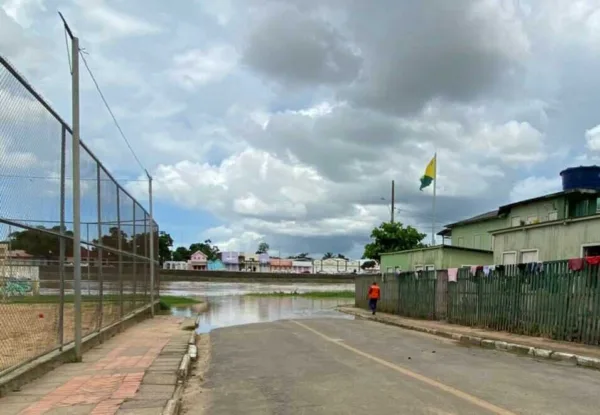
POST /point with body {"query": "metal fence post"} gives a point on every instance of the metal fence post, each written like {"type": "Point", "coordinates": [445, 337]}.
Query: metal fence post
{"type": "Point", "coordinates": [151, 246]}
{"type": "Point", "coordinates": [76, 199]}
{"type": "Point", "coordinates": [134, 249]}
{"type": "Point", "coordinates": [62, 247]}
{"type": "Point", "coordinates": [120, 256]}
{"type": "Point", "coordinates": [99, 250]}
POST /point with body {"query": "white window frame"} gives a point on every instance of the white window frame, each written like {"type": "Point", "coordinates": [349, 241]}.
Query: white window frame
{"type": "Point", "coordinates": [510, 252]}
{"type": "Point", "coordinates": [531, 219]}
{"type": "Point", "coordinates": [537, 251]}
{"type": "Point", "coordinates": [389, 270]}
{"type": "Point", "coordinates": [554, 213]}
{"type": "Point", "coordinates": [583, 246]}
{"type": "Point", "coordinates": [418, 267]}
{"type": "Point", "coordinates": [475, 244]}
{"type": "Point", "coordinates": [429, 267]}
{"type": "Point", "coordinates": [513, 219]}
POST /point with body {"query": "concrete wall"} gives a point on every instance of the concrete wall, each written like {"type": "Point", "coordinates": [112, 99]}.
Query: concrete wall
{"type": "Point", "coordinates": [561, 240]}
{"type": "Point", "coordinates": [454, 258]}
{"type": "Point", "coordinates": [539, 210]}
{"type": "Point", "coordinates": [477, 235]}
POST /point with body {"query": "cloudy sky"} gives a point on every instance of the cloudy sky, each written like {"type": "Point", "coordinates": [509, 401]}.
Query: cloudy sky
{"type": "Point", "coordinates": [286, 120]}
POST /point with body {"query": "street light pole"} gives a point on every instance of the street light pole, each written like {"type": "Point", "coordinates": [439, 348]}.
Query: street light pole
{"type": "Point", "coordinates": [392, 202]}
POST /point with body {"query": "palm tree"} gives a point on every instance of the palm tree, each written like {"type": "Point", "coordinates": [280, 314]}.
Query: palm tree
{"type": "Point", "coordinates": [328, 255]}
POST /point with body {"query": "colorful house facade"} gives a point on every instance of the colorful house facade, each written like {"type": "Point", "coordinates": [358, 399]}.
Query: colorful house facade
{"type": "Point", "coordinates": [231, 260]}
{"type": "Point", "coordinates": [197, 262]}
{"type": "Point", "coordinates": [281, 265]}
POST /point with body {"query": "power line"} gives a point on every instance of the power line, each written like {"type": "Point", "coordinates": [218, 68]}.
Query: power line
{"type": "Point", "coordinates": [110, 111]}
{"type": "Point", "coordinates": [81, 53]}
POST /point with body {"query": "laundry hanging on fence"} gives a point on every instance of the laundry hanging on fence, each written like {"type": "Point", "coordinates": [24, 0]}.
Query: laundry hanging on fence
{"type": "Point", "coordinates": [487, 269]}
{"type": "Point", "coordinates": [452, 274]}
{"type": "Point", "coordinates": [539, 267]}
{"type": "Point", "coordinates": [522, 267]}
{"type": "Point", "coordinates": [474, 270]}
{"type": "Point", "coordinates": [576, 264]}
{"type": "Point", "coordinates": [593, 260]}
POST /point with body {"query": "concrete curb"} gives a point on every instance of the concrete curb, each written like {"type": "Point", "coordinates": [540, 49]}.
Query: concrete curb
{"type": "Point", "coordinates": [576, 360]}
{"type": "Point", "coordinates": [173, 405]}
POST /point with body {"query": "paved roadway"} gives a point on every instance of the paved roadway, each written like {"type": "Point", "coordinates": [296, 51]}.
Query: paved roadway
{"type": "Point", "coordinates": [334, 366]}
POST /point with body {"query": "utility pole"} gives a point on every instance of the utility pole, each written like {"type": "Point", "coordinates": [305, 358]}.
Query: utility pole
{"type": "Point", "coordinates": [152, 292]}
{"type": "Point", "coordinates": [76, 189]}
{"type": "Point", "coordinates": [393, 197]}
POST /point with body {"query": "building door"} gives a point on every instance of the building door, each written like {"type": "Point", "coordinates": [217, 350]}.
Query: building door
{"type": "Point", "coordinates": [509, 258]}
{"type": "Point", "coordinates": [529, 257]}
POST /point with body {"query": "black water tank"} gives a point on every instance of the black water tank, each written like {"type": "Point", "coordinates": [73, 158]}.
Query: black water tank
{"type": "Point", "coordinates": [582, 177]}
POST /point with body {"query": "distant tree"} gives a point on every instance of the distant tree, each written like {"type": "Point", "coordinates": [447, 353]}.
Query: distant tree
{"type": "Point", "coordinates": [263, 248]}
{"type": "Point", "coordinates": [390, 237]}
{"type": "Point", "coordinates": [165, 242]}
{"type": "Point", "coordinates": [207, 248]}
{"type": "Point", "coordinates": [368, 264]}
{"type": "Point", "coordinates": [181, 253]}
{"type": "Point", "coordinates": [341, 256]}
{"type": "Point", "coordinates": [328, 255]}
{"type": "Point", "coordinates": [41, 243]}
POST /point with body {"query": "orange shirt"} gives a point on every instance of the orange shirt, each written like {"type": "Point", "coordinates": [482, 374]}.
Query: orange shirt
{"type": "Point", "coordinates": [374, 292]}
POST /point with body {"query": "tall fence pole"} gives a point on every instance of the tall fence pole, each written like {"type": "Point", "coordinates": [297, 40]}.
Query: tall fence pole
{"type": "Point", "coordinates": [62, 247]}
{"type": "Point", "coordinates": [99, 251]}
{"type": "Point", "coordinates": [151, 245]}
{"type": "Point", "coordinates": [76, 198]}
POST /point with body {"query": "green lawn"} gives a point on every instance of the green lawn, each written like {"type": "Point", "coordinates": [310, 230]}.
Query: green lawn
{"type": "Point", "coordinates": [168, 300]}
{"type": "Point", "coordinates": [310, 294]}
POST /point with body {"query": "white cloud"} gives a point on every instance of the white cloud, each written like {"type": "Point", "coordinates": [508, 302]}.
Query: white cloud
{"type": "Point", "coordinates": [535, 186]}
{"type": "Point", "coordinates": [112, 24]}
{"type": "Point", "coordinates": [199, 67]}
{"type": "Point", "coordinates": [592, 138]}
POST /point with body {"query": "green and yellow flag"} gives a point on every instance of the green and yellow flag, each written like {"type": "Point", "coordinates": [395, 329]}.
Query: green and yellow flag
{"type": "Point", "coordinates": [429, 175]}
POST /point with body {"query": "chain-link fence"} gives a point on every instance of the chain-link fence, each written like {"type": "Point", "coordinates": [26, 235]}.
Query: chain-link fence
{"type": "Point", "coordinates": [37, 312]}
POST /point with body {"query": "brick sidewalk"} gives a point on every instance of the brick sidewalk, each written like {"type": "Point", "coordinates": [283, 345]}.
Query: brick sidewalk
{"type": "Point", "coordinates": [537, 342]}
{"type": "Point", "coordinates": [132, 373]}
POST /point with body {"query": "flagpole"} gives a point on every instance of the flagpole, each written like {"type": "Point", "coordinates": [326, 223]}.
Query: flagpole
{"type": "Point", "coordinates": [433, 207]}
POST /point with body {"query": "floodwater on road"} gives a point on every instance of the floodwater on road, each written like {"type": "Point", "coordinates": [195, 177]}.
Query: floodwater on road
{"type": "Point", "coordinates": [230, 306]}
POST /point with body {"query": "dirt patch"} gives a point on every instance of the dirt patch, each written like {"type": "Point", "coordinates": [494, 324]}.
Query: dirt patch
{"type": "Point", "coordinates": [196, 398]}
{"type": "Point", "coordinates": [31, 330]}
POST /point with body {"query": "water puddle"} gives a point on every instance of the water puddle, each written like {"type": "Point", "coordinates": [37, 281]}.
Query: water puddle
{"type": "Point", "coordinates": [229, 306]}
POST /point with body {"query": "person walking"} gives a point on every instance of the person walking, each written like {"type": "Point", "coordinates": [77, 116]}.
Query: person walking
{"type": "Point", "coordinates": [374, 294]}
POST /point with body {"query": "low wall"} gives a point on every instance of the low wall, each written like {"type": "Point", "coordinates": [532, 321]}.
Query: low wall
{"type": "Point", "coordinates": [241, 276]}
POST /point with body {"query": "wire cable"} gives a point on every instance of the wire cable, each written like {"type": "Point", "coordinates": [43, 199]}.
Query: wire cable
{"type": "Point", "coordinates": [110, 110]}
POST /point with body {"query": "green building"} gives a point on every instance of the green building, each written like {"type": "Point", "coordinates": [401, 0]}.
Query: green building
{"type": "Point", "coordinates": [434, 257]}
{"type": "Point", "coordinates": [557, 226]}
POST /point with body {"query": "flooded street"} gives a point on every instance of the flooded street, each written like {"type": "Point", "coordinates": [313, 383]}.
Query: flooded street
{"type": "Point", "coordinates": [230, 306]}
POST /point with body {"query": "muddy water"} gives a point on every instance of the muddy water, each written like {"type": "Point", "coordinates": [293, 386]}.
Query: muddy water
{"type": "Point", "coordinates": [229, 305]}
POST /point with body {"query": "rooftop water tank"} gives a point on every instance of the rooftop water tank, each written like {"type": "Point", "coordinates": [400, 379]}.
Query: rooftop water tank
{"type": "Point", "coordinates": [582, 177]}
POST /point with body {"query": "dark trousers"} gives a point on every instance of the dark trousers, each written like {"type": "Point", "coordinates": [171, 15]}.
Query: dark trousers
{"type": "Point", "coordinates": [373, 304]}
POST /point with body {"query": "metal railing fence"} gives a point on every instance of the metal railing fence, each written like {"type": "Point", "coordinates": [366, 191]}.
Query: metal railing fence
{"type": "Point", "coordinates": [118, 248]}
{"type": "Point", "coordinates": [549, 300]}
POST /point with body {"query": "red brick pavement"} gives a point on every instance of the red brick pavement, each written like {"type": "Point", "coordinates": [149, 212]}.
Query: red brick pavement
{"type": "Point", "coordinates": [109, 374]}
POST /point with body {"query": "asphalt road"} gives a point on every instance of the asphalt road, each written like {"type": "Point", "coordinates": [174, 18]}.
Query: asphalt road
{"type": "Point", "coordinates": [332, 366]}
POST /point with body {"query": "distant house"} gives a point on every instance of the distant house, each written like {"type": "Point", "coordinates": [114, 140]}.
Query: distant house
{"type": "Point", "coordinates": [263, 262]}
{"type": "Point", "coordinates": [231, 260]}
{"type": "Point", "coordinates": [175, 265]}
{"type": "Point", "coordinates": [215, 265]}
{"type": "Point", "coordinates": [332, 266]}
{"type": "Point", "coordinates": [197, 262]}
{"type": "Point", "coordinates": [281, 265]}
{"type": "Point", "coordinates": [302, 267]}
{"type": "Point", "coordinates": [251, 262]}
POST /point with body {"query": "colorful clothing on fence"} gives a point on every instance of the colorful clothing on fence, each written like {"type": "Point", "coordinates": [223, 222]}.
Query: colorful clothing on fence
{"type": "Point", "coordinates": [452, 274]}
{"type": "Point", "coordinates": [576, 264]}
{"type": "Point", "coordinates": [593, 260]}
